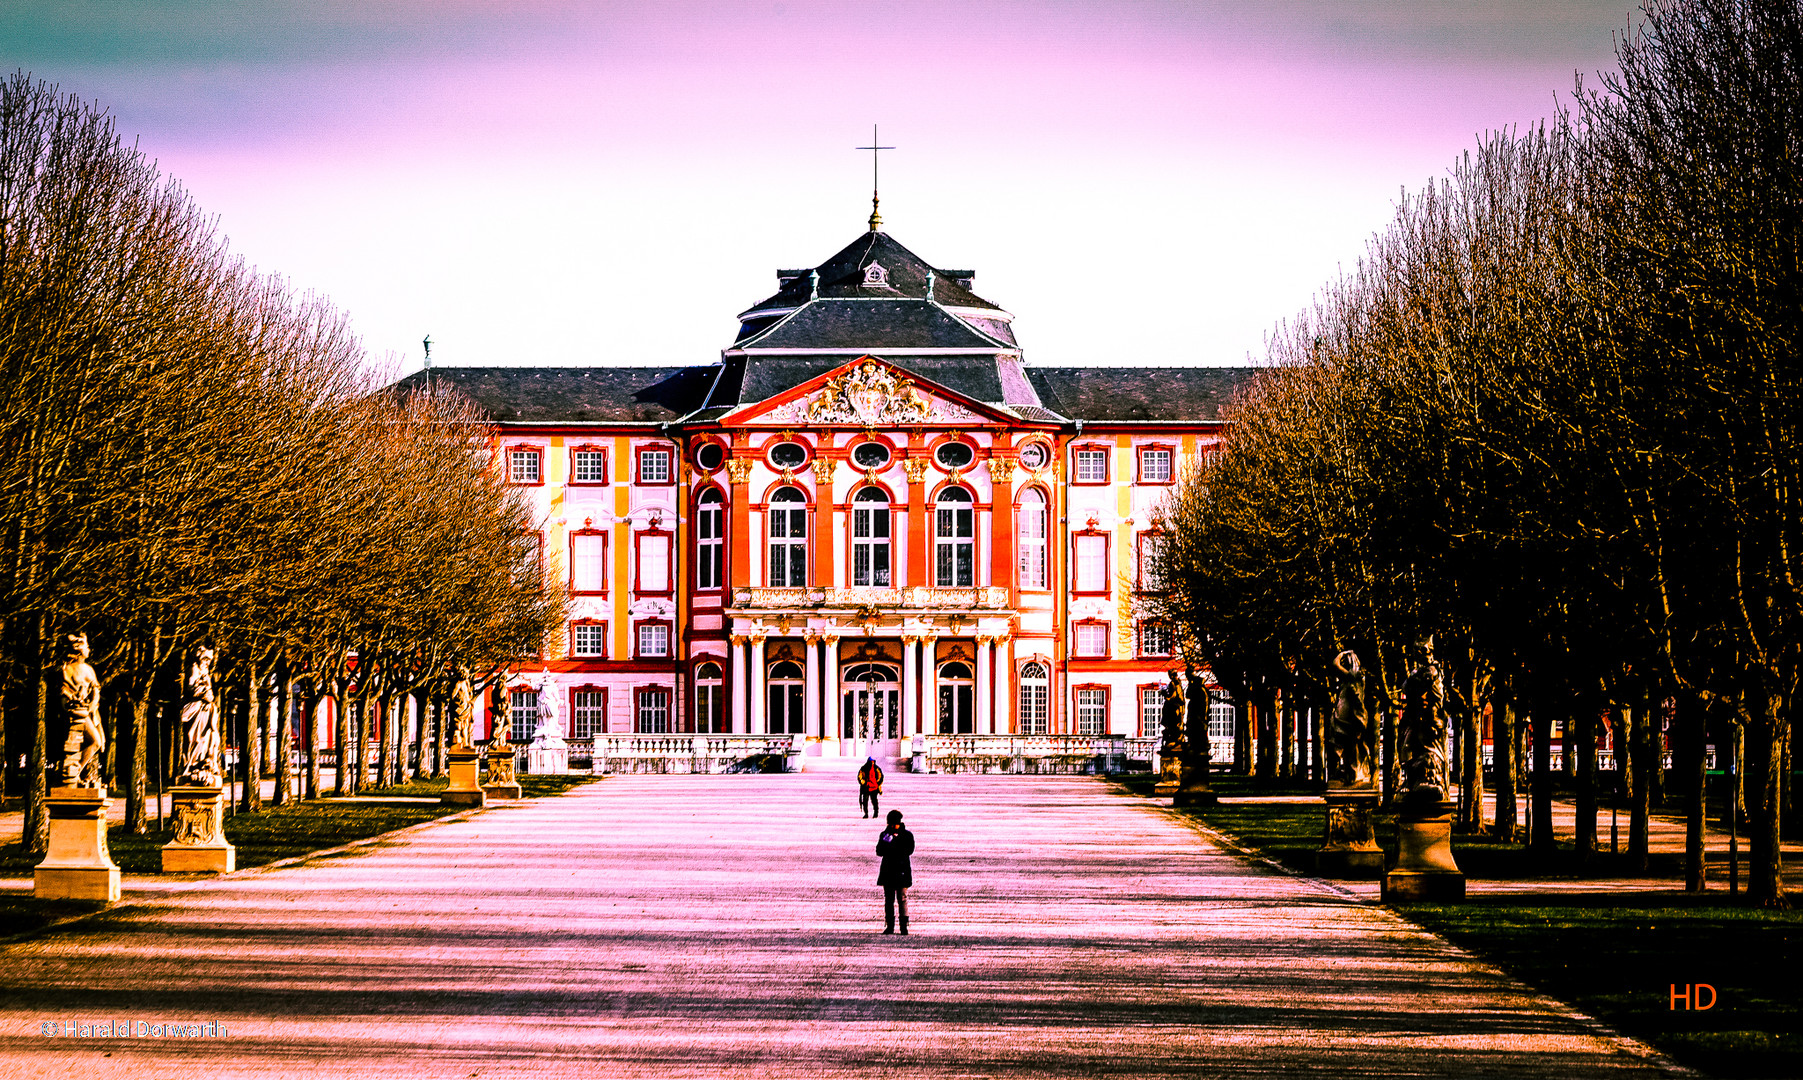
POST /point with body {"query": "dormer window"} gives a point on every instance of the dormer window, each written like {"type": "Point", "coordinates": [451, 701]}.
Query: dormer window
{"type": "Point", "coordinates": [875, 276]}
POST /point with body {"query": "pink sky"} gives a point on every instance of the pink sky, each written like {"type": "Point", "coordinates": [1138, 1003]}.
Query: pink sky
{"type": "Point", "coordinates": [554, 183]}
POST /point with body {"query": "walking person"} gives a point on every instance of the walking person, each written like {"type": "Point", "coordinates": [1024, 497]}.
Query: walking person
{"type": "Point", "coordinates": [870, 786]}
{"type": "Point", "coordinates": [897, 873]}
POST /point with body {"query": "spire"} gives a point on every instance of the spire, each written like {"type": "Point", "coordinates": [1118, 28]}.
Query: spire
{"type": "Point", "coordinates": [876, 217]}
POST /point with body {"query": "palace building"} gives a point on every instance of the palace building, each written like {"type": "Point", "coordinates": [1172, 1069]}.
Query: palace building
{"type": "Point", "coordinates": [869, 519]}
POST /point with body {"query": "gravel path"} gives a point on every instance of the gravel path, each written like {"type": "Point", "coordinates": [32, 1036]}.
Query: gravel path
{"type": "Point", "coordinates": [729, 925]}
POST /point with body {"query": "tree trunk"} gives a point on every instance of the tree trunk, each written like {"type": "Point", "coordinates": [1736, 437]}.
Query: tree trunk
{"type": "Point", "coordinates": [137, 816]}
{"type": "Point", "coordinates": [1585, 749]}
{"type": "Point", "coordinates": [1267, 743]}
{"type": "Point", "coordinates": [341, 718]}
{"type": "Point", "coordinates": [36, 838]}
{"type": "Point", "coordinates": [1765, 793]}
{"type": "Point", "coordinates": [310, 740]}
{"type": "Point", "coordinates": [1635, 720]}
{"type": "Point", "coordinates": [1541, 838]}
{"type": "Point", "coordinates": [1694, 729]}
{"type": "Point", "coordinates": [438, 736]}
{"type": "Point", "coordinates": [251, 756]}
{"type": "Point", "coordinates": [284, 735]}
{"type": "Point", "coordinates": [1244, 716]}
{"type": "Point", "coordinates": [1388, 720]}
{"type": "Point", "coordinates": [1471, 761]}
{"type": "Point", "coordinates": [1655, 735]}
{"type": "Point", "coordinates": [1502, 742]}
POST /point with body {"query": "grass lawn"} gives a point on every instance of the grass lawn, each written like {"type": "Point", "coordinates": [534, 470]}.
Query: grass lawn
{"type": "Point", "coordinates": [1613, 955]}
{"type": "Point", "coordinates": [276, 832]}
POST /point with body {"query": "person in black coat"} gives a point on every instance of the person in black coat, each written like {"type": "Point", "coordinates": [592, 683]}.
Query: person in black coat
{"type": "Point", "coordinates": [897, 874]}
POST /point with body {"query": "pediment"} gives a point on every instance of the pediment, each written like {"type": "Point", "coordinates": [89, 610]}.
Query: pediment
{"type": "Point", "coordinates": [868, 393]}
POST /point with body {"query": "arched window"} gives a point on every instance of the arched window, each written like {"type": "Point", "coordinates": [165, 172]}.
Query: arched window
{"type": "Point", "coordinates": [710, 544]}
{"type": "Point", "coordinates": [785, 716]}
{"type": "Point", "coordinates": [870, 538]}
{"type": "Point", "coordinates": [957, 531]}
{"type": "Point", "coordinates": [957, 699]}
{"type": "Point", "coordinates": [710, 717]}
{"type": "Point", "coordinates": [1031, 539]}
{"type": "Point", "coordinates": [871, 702]}
{"type": "Point", "coordinates": [788, 538]}
{"type": "Point", "coordinates": [1034, 696]}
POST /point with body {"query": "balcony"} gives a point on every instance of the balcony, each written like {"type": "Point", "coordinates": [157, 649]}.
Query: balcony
{"type": "Point", "coordinates": [914, 597]}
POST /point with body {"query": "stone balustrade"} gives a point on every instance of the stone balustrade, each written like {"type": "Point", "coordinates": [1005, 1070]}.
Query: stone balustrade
{"type": "Point", "coordinates": [1029, 753]}
{"type": "Point", "coordinates": [675, 753]}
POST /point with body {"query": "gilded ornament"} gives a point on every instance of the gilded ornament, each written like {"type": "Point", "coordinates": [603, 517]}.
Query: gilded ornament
{"type": "Point", "coordinates": [916, 468]}
{"type": "Point", "coordinates": [738, 470]}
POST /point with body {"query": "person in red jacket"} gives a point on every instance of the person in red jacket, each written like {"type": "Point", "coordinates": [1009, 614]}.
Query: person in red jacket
{"type": "Point", "coordinates": [870, 785]}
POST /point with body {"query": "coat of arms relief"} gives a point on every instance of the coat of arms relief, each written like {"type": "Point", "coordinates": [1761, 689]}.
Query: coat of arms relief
{"type": "Point", "coordinates": [870, 395]}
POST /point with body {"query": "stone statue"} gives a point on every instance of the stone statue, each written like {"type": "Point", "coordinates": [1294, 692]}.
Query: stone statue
{"type": "Point", "coordinates": [1423, 729]}
{"type": "Point", "coordinates": [550, 727]}
{"type": "Point", "coordinates": [1171, 717]}
{"type": "Point", "coordinates": [1349, 730]}
{"type": "Point", "coordinates": [1196, 729]}
{"type": "Point", "coordinates": [80, 703]}
{"type": "Point", "coordinates": [500, 717]}
{"type": "Point", "coordinates": [460, 707]}
{"type": "Point", "coordinates": [200, 722]}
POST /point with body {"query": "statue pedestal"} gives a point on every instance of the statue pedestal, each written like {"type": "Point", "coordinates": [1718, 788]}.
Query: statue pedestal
{"type": "Point", "coordinates": [199, 847]}
{"type": "Point", "coordinates": [1425, 871]}
{"type": "Point", "coordinates": [1170, 771]}
{"type": "Point", "coordinates": [1193, 789]}
{"type": "Point", "coordinates": [461, 763]}
{"type": "Point", "coordinates": [1348, 844]}
{"type": "Point", "coordinates": [78, 865]}
{"type": "Point", "coordinates": [547, 759]}
{"type": "Point", "coordinates": [502, 783]}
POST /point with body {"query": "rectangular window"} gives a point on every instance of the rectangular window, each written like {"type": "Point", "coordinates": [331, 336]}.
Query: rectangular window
{"type": "Point", "coordinates": [1220, 719]}
{"type": "Point", "coordinates": [522, 713]}
{"type": "Point", "coordinates": [1154, 466]}
{"type": "Point", "coordinates": [588, 713]}
{"type": "Point", "coordinates": [530, 570]}
{"type": "Point", "coordinates": [1091, 564]}
{"type": "Point", "coordinates": [654, 466]}
{"type": "Point", "coordinates": [1092, 639]}
{"type": "Point", "coordinates": [1092, 712]}
{"type": "Point", "coordinates": [588, 467]}
{"type": "Point", "coordinates": [1032, 543]}
{"type": "Point", "coordinates": [1092, 466]}
{"type": "Point", "coordinates": [1151, 550]}
{"type": "Point", "coordinates": [654, 639]}
{"type": "Point", "coordinates": [522, 466]}
{"type": "Point", "coordinates": [654, 562]}
{"type": "Point", "coordinates": [710, 543]}
{"type": "Point", "coordinates": [1151, 712]}
{"type": "Point", "coordinates": [654, 712]}
{"type": "Point", "coordinates": [588, 562]}
{"type": "Point", "coordinates": [588, 639]}
{"type": "Point", "coordinates": [1154, 638]}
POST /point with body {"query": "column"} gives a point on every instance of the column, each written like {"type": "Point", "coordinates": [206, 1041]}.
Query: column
{"type": "Point", "coordinates": [1004, 683]}
{"type": "Point", "coordinates": [920, 523]}
{"type": "Point", "coordinates": [759, 722]}
{"type": "Point", "coordinates": [985, 718]}
{"type": "Point", "coordinates": [910, 680]}
{"type": "Point", "coordinates": [929, 684]}
{"type": "Point", "coordinates": [830, 705]}
{"type": "Point", "coordinates": [811, 685]}
{"type": "Point", "coordinates": [739, 726]}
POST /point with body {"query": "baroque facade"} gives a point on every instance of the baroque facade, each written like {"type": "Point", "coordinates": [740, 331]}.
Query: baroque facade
{"type": "Point", "coordinates": [869, 519]}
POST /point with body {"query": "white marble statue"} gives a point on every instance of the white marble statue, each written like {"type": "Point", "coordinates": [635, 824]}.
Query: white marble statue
{"type": "Point", "coordinates": [549, 733]}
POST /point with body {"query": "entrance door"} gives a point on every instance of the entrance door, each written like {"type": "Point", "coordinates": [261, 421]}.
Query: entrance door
{"type": "Point", "coordinates": [957, 700]}
{"type": "Point", "coordinates": [870, 716]}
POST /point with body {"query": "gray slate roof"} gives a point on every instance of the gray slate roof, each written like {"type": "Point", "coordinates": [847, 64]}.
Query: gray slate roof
{"type": "Point", "coordinates": [864, 324]}
{"type": "Point", "coordinates": [1172, 394]}
{"type": "Point", "coordinates": [843, 276]}
{"type": "Point", "coordinates": [565, 394]}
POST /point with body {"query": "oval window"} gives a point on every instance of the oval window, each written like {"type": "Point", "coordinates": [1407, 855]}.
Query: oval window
{"type": "Point", "coordinates": [1033, 455]}
{"type": "Point", "coordinates": [788, 455]}
{"type": "Point", "coordinates": [956, 455]}
{"type": "Point", "coordinates": [871, 455]}
{"type": "Point", "coordinates": [710, 457]}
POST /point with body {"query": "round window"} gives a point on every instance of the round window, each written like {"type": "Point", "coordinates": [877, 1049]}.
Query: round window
{"type": "Point", "coordinates": [956, 455]}
{"type": "Point", "coordinates": [788, 455]}
{"type": "Point", "coordinates": [871, 455]}
{"type": "Point", "coordinates": [710, 457]}
{"type": "Point", "coordinates": [1033, 455]}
